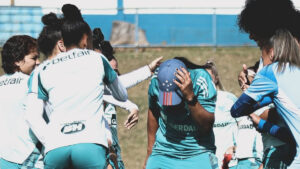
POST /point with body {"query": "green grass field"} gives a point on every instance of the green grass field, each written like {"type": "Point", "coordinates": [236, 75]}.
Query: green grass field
{"type": "Point", "coordinates": [229, 63]}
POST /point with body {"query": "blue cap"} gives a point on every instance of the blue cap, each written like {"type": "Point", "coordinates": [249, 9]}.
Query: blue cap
{"type": "Point", "coordinates": [169, 92]}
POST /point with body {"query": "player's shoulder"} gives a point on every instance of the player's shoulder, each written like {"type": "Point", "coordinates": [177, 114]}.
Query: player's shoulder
{"type": "Point", "coordinates": [153, 85]}
{"type": "Point", "coordinates": [14, 75]}
{"type": "Point", "coordinates": [155, 73]}
{"type": "Point", "coordinates": [200, 73]}
{"type": "Point", "coordinates": [202, 78]}
{"type": "Point", "coordinates": [268, 71]}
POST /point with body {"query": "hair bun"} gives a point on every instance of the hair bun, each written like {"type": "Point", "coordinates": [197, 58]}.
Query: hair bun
{"type": "Point", "coordinates": [71, 12]}
{"type": "Point", "coordinates": [50, 19]}
{"type": "Point", "coordinates": [97, 34]}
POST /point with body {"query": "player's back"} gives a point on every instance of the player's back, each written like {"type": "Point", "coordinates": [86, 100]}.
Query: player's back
{"type": "Point", "coordinates": [72, 84]}
{"type": "Point", "coordinates": [284, 87]}
{"type": "Point", "coordinates": [287, 98]}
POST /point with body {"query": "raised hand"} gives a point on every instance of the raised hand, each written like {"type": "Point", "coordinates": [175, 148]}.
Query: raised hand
{"type": "Point", "coordinates": [242, 78]}
{"type": "Point", "coordinates": [155, 63]}
{"type": "Point", "coordinates": [132, 119]}
{"type": "Point", "coordinates": [185, 83]}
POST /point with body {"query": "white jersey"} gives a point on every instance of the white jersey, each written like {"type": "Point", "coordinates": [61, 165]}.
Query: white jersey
{"type": "Point", "coordinates": [249, 141]}
{"type": "Point", "coordinates": [225, 126]}
{"type": "Point", "coordinates": [128, 80]}
{"type": "Point", "coordinates": [72, 85]}
{"type": "Point", "coordinates": [17, 141]}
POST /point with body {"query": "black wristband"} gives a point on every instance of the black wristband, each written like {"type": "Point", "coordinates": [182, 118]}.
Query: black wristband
{"type": "Point", "coordinates": [192, 102]}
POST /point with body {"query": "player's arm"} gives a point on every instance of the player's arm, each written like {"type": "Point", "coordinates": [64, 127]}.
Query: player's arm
{"type": "Point", "coordinates": [112, 81]}
{"type": "Point", "coordinates": [133, 117]}
{"type": "Point", "coordinates": [34, 108]}
{"type": "Point", "coordinates": [258, 95]}
{"type": "Point", "coordinates": [282, 133]}
{"type": "Point", "coordinates": [153, 116]}
{"type": "Point", "coordinates": [152, 127]}
{"type": "Point", "coordinates": [245, 105]}
{"type": "Point", "coordinates": [34, 116]}
{"type": "Point", "coordinates": [128, 105]}
{"type": "Point", "coordinates": [203, 118]}
{"type": "Point", "coordinates": [137, 76]}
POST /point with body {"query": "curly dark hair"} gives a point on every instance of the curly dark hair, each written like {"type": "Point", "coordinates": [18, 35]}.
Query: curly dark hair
{"type": "Point", "coordinates": [261, 18]}
{"type": "Point", "coordinates": [14, 50]}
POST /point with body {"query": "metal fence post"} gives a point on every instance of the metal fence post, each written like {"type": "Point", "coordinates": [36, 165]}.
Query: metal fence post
{"type": "Point", "coordinates": [136, 28]}
{"type": "Point", "coordinates": [214, 27]}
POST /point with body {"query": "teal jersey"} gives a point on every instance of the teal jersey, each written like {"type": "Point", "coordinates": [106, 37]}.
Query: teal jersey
{"type": "Point", "coordinates": [178, 135]}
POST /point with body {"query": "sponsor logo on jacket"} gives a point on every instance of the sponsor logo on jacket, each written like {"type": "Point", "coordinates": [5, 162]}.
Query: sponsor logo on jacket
{"type": "Point", "coordinates": [74, 127]}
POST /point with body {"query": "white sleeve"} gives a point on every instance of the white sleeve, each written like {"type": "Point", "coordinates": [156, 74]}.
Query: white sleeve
{"type": "Point", "coordinates": [135, 77]}
{"type": "Point", "coordinates": [117, 90]}
{"type": "Point", "coordinates": [128, 105]}
{"type": "Point", "coordinates": [34, 116]}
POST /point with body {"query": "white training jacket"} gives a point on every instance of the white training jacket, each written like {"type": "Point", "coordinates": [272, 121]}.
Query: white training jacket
{"type": "Point", "coordinates": [72, 86]}
{"type": "Point", "coordinates": [17, 142]}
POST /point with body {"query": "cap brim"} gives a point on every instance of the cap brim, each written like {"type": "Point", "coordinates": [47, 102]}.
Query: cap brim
{"type": "Point", "coordinates": [170, 98]}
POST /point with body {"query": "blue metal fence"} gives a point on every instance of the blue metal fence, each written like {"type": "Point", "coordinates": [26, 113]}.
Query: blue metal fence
{"type": "Point", "coordinates": [180, 29]}
{"type": "Point", "coordinates": [19, 20]}
{"type": "Point", "coordinates": [160, 29]}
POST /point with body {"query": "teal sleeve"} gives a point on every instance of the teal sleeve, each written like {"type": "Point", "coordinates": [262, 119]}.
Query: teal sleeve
{"type": "Point", "coordinates": [153, 95]}
{"type": "Point", "coordinates": [42, 93]}
{"type": "Point", "coordinates": [30, 83]}
{"type": "Point", "coordinates": [205, 91]}
{"type": "Point", "coordinates": [35, 86]}
{"type": "Point", "coordinates": [110, 74]}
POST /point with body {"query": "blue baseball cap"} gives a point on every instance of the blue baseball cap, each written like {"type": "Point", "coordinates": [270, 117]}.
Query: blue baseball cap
{"type": "Point", "coordinates": [169, 92]}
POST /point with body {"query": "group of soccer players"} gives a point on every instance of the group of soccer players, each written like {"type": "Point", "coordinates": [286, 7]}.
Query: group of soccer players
{"type": "Point", "coordinates": [260, 129]}
{"type": "Point", "coordinates": [60, 114]}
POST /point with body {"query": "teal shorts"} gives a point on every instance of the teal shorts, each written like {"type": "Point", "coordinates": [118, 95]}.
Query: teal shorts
{"type": "Point", "coordinates": [277, 157]}
{"type": "Point", "coordinates": [77, 156]}
{"type": "Point", "coordinates": [247, 163]}
{"type": "Point", "coordinates": [10, 165]}
{"type": "Point", "coordinates": [202, 161]}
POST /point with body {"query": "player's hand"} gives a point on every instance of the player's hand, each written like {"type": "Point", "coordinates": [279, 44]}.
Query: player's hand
{"type": "Point", "coordinates": [132, 118]}
{"type": "Point", "coordinates": [185, 83]}
{"type": "Point", "coordinates": [155, 63]}
{"type": "Point", "coordinates": [255, 118]}
{"type": "Point", "coordinates": [242, 78]}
